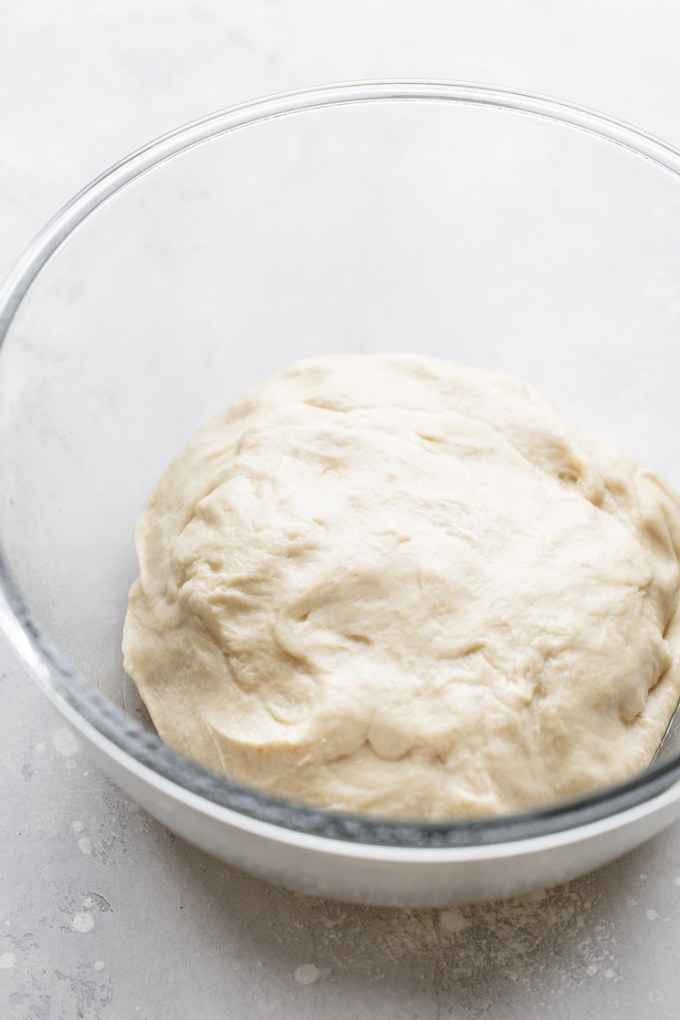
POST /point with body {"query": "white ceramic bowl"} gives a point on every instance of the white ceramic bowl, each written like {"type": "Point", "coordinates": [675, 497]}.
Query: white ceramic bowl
{"type": "Point", "coordinates": [478, 224]}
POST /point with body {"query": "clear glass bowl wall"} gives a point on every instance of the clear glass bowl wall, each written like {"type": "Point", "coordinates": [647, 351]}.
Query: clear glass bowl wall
{"type": "Point", "coordinates": [491, 233]}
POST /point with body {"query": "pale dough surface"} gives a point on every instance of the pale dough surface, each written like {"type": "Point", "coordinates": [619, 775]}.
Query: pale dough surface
{"type": "Point", "coordinates": [389, 584]}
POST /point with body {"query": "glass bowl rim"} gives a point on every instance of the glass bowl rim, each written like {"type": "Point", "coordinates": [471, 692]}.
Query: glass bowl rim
{"type": "Point", "coordinates": [58, 677]}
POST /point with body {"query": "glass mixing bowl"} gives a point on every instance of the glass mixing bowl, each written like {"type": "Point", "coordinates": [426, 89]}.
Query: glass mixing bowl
{"type": "Point", "coordinates": [486, 226]}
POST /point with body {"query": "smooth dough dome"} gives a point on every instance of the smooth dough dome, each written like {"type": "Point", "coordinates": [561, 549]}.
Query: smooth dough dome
{"type": "Point", "coordinates": [391, 585]}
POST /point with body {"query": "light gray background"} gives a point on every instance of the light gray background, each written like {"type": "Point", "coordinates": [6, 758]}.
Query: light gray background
{"type": "Point", "coordinates": [104, 914]}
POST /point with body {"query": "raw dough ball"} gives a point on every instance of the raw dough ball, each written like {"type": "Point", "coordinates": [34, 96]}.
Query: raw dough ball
{"type": "Point", "coordinates": [388, 584]}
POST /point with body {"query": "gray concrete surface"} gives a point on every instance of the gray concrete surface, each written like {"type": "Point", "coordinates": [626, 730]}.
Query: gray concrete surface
{"type": "Point", "coordinates": [103, 913]}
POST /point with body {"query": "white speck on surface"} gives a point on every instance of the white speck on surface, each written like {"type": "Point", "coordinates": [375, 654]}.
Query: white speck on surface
{"type": "Point", "coordinates": [65, 743]}
{"type": "Point", "coordinates": [99, 965]}
{"type": "Point", "coordinates": [7, 960]}
{"type": "Point", "coordinates": [452, 920]}
{"type": "Point", "coordinates": [84, 845]}
{"type": "Point", "coordinates": [306, 974]}
{"type": "Point", "coordinates": [509, 936]}
{"type": "Point", "coordinates": [651, 915]}
{"type": "Point", "coordinates": [609, 973]}
{"type": "Point", "coordinates": [593, 969]}
{"type": "Point", "coordinates": [677, 879]}
{"type": "Point", "coordinates": [643, 876]}
{"type": "Point", "coordinates": [40, 747]}
{"type": "Point", "coordinates": [78, 826]}
{"type": "Point", "coordinates": [83, 922]}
